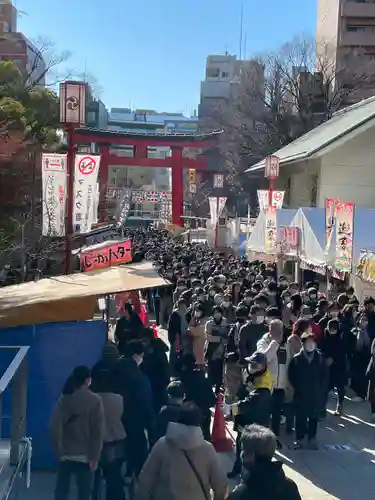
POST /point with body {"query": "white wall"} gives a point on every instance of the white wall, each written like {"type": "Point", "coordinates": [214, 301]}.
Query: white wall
{"type": "Point", "coordinates": [302, 181]}
{"type": "Point", "coordinates": [348, 172]}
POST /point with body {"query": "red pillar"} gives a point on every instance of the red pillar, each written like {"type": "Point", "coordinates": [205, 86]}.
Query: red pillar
{"type": "Point", "coordinates": [140, 151]}
{"type": "Point", "coordinates": [70, 199]}
{"type": "Point", "coordinates": [103, 181]}
{"type": "Point", "coordinates": [177, 187]}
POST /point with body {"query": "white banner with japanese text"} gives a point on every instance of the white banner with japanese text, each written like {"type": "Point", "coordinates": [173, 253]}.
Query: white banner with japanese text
{"type": "Point", "coordinates": [54, 182]}
{"type": "Point", "coordinates": [344, 236]}
{"type": "Point", "coordinates": [263, 199]}
{"type": "Point", "coordinates": [271, 236]}
{"type": "Point", "coordinates": [86, 168]}
{"type": "Point", "coordinates": [213, 202]}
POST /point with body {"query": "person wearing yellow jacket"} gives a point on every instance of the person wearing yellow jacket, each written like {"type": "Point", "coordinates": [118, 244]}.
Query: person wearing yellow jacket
{"type": "Point", "coordinates": [255, 408]}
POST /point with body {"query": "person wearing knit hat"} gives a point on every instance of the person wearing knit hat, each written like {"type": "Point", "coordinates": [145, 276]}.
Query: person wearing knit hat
{"type": "Point", "coordinates": [308, 376]}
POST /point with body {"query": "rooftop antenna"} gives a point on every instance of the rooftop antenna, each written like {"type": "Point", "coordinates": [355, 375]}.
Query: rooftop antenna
{"type": "Point", "coordinates": [241, 30]}
{"type": "Point", "coordinates": [226, 49]}
{"type": "Point", "coordinates": [245, 46]}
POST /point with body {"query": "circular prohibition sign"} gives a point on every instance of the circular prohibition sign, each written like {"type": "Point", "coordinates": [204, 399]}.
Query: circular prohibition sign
{"type": "Point", "coordinates": [87, 165]}
{"type": "Point", "coordinates": [277, 195]}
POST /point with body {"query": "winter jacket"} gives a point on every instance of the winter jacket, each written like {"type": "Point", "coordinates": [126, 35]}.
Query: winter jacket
{"type": "Point", "coordinates": [333, 348]}
{"type": "Point", "coordinates": [278, 359]}
{"type": "Point", "coordinates": [168, 475]}
{"type": "Point", "coordinates": [169, 413]}
{"type": "Point", "coordinates": [266, 481]}
{"type": "Point", "coordinates": [113, 406]}
{"type": "Point", "coordinates": [198, 338]}
{"type": "Point", "coordinates": [156, 367]}
{"type": "Point", "coordinates": [309, 381]}
{"type": "Point", "coordinates": [254, 409]}
{"type": "Point", "coordinates": [198, 389]}
{"type": "Point", "coordinates": [250, 334]}
{"type": "Point", "coordinates": [77, 426]}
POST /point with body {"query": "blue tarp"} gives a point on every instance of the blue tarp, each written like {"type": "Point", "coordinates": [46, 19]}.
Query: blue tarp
{"type": "Point", "coordinates": [55, 350]}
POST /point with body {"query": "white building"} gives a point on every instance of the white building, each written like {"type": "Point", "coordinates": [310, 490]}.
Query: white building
{"type": "Point", "coordinates": [335, 160]}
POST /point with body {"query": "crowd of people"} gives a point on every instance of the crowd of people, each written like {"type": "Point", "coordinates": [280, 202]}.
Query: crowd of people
{"type": "Point", "coordinates": [274, 347]}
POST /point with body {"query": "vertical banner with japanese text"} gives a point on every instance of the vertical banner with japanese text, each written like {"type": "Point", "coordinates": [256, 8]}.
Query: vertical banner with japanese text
{"type": "Point", "coordinates": [123, 206]}
{"type": "Point", "coordinates": [54, 182]}
{"type": "Point", "coordinates": [330, 218]}
{"type": "Point", "coordinates": [271, 236]}
{"type": "Point", "coordinates": [213, 202]}
{"type": "Point", "coordinates": [344, 236]}
{"type": "Point", "coordinates": [86, 168]}
{"type": "Point", "coordinates": [263, 199]}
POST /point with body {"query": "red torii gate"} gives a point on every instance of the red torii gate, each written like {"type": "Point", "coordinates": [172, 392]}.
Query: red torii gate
{"type": "Point", "coordinates": [140, 142]}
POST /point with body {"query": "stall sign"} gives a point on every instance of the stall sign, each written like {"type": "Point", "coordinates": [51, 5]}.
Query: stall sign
{"type": "Point", "coordinates": [86, 170]}
{"type": "Point", "coordinates": [111, 255]}
{"type": "Point", "coordinates": [54, 182]}
{"type": "Point", "coordinates": [330, 219]}
{"type": "Point", "coordinates": [271, 239]}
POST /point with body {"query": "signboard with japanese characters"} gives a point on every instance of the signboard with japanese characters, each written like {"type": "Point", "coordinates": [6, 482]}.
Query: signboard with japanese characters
{"type": "Point", "coordinates": [123, 206]}
{"type": "Point", "coordinates": [344, 236]}
{"type": "Point", "coordinates": [86, 170]}
{"type": "Point", "coordinates": [263, 198]}
{"type": "Point", "coordinates": [288, 239]}
{"type": "Point", "coordinates": [218, 181]}
{"type": "Point", "coordinates": [111, 255]}
{"type": "Point", "coordinates": [272, 167]}
{"type": "Point", "coordinates": [150, 196]}
{"type": "Point", "coordinates": [271, 236]}
{"type": "Point", "coordinates": [54, 181]}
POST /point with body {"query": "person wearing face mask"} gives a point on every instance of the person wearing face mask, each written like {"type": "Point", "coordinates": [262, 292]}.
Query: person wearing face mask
{"type": "Point", "coordinates": [272, 344]}
{"type": "Point", "coordinates": [308, 376]}
{"type": "Point", "coordinates": [273, 295]}
{"type": "Point", "coordinates": [216, 332]}
{"type": "Point", "coordinates": [334, 352]}
{"type": "Point", "coordinates": [229, 310]}
{"type": "Point", "coordinates": [138, 416]}
{"type": "Point", "coordinates": [177, 328]}
{"type": "Point", "coordinates": [333, 312]}
{"type": "Point", "coordinates": [251, 332]}
{"type": "Point", "coordinates": [196, 331]}
{"type": "Point", "coordinates": [233, 364]}
{"type": "Point", "coordinates": [180, 288]}
{"type": "Point", "coordinates": [263, 476]}
{"type": "Point", "coordinates": [255, 406]}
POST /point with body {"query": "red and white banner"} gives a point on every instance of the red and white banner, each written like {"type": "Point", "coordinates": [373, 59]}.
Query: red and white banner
{"type": "Point", "coordinates": [111, 255]}
{"type": "Point", "coordinates": [272, 167]}
{"type": "Point", "coordinates": [271, 236]}
{"type": "Point", "coordinates": [263, 199]}
{"type": "Point", "coordinates": [344, 236]}
{"type": "Point", "coordinates": [288, 239]}
{"type": "Point", "coordinates": [86, 168]}
{"type": "Point", "coordinates": [54, 182]}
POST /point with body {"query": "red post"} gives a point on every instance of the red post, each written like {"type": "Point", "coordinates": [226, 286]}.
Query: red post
{"type": "Point", "coordinates": [103, 181]}
{"type": "Point", "coordinates": [217, 224]}
{"type": "Point", "coordinates": [70, 200]}
{"type": "Point", "coordinates": [177, 187]}
{"type": "Point", "coordinates": [270, 191]}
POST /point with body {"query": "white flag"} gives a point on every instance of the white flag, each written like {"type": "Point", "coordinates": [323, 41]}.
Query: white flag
{"type": "Point", "coordinates": [222, 201]}
{"type": "Point", "coordinates": [54, 182]}
{"type": "Point", "coordinates": [86, 168]}
{"type": "Point", "coordinates": [213, 201]}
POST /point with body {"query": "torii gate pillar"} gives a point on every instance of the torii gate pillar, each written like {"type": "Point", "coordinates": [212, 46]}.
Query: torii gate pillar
{"type": "Point", "coordinates": [177, 187]}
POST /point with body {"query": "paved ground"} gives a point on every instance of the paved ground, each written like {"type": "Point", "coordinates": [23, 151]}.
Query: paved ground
{"type": "Point", "coordinates": [343, 468]}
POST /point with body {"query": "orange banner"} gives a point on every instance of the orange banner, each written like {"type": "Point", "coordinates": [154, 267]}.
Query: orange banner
{"type": "Point", "coordinates": [111, 255]}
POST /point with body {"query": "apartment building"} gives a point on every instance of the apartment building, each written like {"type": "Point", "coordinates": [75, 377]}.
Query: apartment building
{"type": "Point", "coordinates": [345, 28]}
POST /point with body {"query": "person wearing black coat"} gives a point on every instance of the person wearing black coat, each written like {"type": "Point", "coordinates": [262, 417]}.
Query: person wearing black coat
{"type": "Point", "coordinates": [156, 366]}
{"type": "Point", "coordinates": [334, 352]}
{"type": "Point", "coordinates": [171, 411]}
{"type": "Point", "coordinates": [198, 390]}
{"type": "Point", "coordinates": [136, 391]}
{"type": "Point", "coordinates": [308, 375]}
{"type": "Point", "coordinates": [263, 476]}
{"type": "Point", "coordinates": [129, 326]}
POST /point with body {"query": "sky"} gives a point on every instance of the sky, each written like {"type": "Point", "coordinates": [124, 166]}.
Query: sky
{"type": "Point", "coordinates": [151, 54]}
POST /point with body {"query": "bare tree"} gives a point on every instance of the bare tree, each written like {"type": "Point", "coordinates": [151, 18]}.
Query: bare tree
{"type": "Point", "coordinates": [283, 95]}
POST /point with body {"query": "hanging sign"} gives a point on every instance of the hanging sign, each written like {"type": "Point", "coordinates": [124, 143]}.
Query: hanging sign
{"type": "Point", "coordinates": [263, 199]}
{"type": "Point", "coordinates": [271, 237]}
{"type": "Point", "coordinates": [54, 182]}
{"type": "Point", "coordinates": [330, 218]}
{"type": "Point", "coordinates": [111, 255]}
{"type": "Point", "coordinates": [86, 168]}
{"type": "Point", "coordinates": [344, 236]}
{"type": "Point", "coordinates": [73, 103]}
{"type": "Point", "coordinates": [213, 202]}
{"type": "Point", "coordinates": [272, 167]}
{"type": "Point", "coordinates": [218, 181]}
{"type": "Point", "coordinates": [288, 239]}
{"type": "Point", "coordinates": [221, 205]}
{"type": "Point", "coordinates": [123, 206]}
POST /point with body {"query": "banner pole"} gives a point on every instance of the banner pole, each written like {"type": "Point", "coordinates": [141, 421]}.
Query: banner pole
{"type": "Point", "coordinates": [70, 199]}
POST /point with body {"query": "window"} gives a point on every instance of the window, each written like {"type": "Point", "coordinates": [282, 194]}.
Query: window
{"type": "Point", "coordinates": [213, 72]}
{"type": "Point", "coordinates": [355, 29]}
{"type": "Point", "coordinates": [224, 74]}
